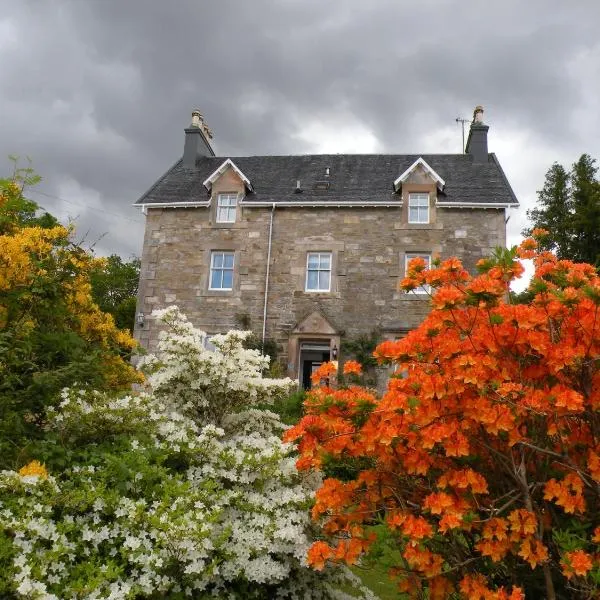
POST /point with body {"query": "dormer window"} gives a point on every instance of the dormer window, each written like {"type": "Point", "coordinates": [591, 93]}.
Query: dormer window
{"type": "Point", "coordinates": [418, 208]}
{"type": "Point", "coordinates": [226, 208]}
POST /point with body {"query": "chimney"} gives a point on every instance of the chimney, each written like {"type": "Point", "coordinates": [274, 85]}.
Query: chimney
{"type": "Point", "coordinates": [477, 145]}
{"type": "Point", "coordinates": [197, 140]}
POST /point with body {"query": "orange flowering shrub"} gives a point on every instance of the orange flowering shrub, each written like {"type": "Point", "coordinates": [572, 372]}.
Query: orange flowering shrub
{"type": "Point", "coordinates": [481, 462]}
{"type": "Point", "coordinates": [352, 367]}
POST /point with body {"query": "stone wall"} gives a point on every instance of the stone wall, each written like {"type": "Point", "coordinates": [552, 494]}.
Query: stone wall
{"type": "Point", "coordinates": [368, 246]}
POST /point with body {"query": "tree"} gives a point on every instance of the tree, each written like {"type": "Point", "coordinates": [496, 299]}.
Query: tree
{"type": "Point", "coordinates": [479, 469]}
{"type": "Point", "coordinates": [114, 289]}
{"type": "Point", "coordinates": [16, 211]}
{"type": "Point", "coordinates": [52, 334]}
{"type": "Point", "coordinates": [183, 490]}
{"type": "Point", "coordinates": [569, 209]}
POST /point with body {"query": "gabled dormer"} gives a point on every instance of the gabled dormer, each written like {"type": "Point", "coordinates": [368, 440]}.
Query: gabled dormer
{"type": "Point", "coordinates": [419, 172]}
{"type": "Point", "coordinates": [221, 170]}
{"type": "Point", "coordinates": [419, 186]}
{"type": "Point", "coordinates": [227, 186]}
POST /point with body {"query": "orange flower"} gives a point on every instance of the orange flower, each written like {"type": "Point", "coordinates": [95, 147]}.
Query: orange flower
{"type": "Point", "coordinates": [438, 502]}
{"type": "Point", "coordinates": [495, 549]}
{"type": "Point", "coordinates": [566, 493]}
{"type": "Point", "coordinates": [522, 524]}
{"type": "Point", "coordinates": [416, 528]}
{"type": "Point", "coordinates": [539, 232]}
{"type": "Point", "coordinates": [352, 367]}
{"type": "Point", "coordinates": [34, 469]}
{"type": "Point", "coordinates": [318, 555]}
{"type": "Point", "coordinates": [449, 521]}
{"type": "Point", "coordinates": [533, 551]}
{"type": "Point", "coordinates": [576, 563]}
{"type": "Point", "coordinates": [325, 371]}
{"type": "Point", "coordinates": [496, 528]}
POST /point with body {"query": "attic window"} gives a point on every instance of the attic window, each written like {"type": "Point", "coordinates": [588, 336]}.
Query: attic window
{"type": "Point", "coordinates": [322, 185]}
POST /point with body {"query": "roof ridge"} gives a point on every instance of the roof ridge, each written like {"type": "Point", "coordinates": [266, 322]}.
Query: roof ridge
{"type": "Point", "coordinates": [341, 154]}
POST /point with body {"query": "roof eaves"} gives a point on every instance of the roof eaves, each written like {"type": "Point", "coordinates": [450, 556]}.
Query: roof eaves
{"type": "Point", "coordinates": [139, 201]}
{"type": "Point", "coordinates": [146, 205]}
{"type": "Point", "coordinates": [504, 178]}
{"type": "Point", "coordinates": [459, 204]}
{"type": "Point", "coordinates": [322, 203]}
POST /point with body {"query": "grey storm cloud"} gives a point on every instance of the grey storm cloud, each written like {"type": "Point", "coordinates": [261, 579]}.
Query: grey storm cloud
{"type": "Point", "coordinates": [97, 92]}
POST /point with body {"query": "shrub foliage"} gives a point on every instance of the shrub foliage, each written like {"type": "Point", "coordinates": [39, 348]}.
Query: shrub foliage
{"type": "Point", "coordinates": [479, 469]}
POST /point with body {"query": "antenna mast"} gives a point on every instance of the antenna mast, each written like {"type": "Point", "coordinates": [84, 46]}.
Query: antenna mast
{"type": "Point", "coordinates": [463, 122]}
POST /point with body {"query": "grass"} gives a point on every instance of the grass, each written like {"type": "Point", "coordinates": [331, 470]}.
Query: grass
{"type": "Point", "coordinates": [378, 581]}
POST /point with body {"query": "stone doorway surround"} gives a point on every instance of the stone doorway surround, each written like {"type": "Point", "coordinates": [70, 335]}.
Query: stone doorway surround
{"type": "Point", "coordinates": [313, 328]}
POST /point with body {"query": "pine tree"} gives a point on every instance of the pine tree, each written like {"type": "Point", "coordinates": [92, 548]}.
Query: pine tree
{"type": "Point", "coordinates": [569, 208]}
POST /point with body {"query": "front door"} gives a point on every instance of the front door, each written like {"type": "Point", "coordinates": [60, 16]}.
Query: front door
{"type": "Point", "coordinates": [312, 356]}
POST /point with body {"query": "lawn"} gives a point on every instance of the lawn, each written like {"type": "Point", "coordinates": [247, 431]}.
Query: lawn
{"type": "Point", "coordinates": [377, 580]}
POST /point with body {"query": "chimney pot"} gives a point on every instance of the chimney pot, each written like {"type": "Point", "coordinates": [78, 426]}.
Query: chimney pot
{"type": "Point", "coordinates": [197, 119]}
{"type": "Point", "coordinates": [477, 143]}
{"type": "Point", "coordinates": [197, 140]}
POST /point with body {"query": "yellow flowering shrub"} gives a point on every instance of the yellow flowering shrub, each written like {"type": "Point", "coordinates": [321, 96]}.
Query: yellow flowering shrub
{"type": "Point", "coordinates": [34, 469]}
{"type": "Point", "coordinates": [52, 333]}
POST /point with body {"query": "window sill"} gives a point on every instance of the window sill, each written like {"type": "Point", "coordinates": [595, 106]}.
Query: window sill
{"type": "Point", "coordinates": [417, 226]}
{"type": "Point", "coordinates": [305, 294]}
{"type": "Point", "coordinates": [217, 293]}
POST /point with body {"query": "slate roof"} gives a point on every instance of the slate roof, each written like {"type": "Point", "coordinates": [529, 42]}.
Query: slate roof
{"type": "Point", "coordinates": [360, 178]}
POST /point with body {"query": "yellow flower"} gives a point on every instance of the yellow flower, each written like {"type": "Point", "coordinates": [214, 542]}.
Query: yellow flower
{"type": "Point", "coordinates": [35, 469]}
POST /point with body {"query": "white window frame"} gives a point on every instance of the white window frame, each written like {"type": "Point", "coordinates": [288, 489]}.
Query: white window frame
{"type": "Point", "coordinates": [318, 270]}
{"type": "Point", "coordinates": [422, 289]}
{"type": "Point", "coordinates": [208, 345]}
{"type": "Point", "coordinates": [420, 206]}
{"type": "Point", "coordinates": [226, 207]}
{"type": "Point", "coordinates": [221, 268]}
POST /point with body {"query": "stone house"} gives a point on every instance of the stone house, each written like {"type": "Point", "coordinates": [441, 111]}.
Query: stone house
{"type": "Point", "coordinates": [308, 251]}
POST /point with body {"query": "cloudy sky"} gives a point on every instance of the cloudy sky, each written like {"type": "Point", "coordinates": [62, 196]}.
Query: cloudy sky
{"type": "Point", "coordinates": [97, 92]}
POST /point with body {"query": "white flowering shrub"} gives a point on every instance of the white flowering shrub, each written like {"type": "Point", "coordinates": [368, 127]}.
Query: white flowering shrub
{"type": "Point", "coordinates": [183, 490]}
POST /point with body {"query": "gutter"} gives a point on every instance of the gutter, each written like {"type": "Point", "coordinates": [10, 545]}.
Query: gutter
{"type": "Point", "coordinates": [477, 204]}
{"type": "Point", "coordinates": [145, 206]}
{"type": "Point", "coordinates": [397, 203]}
{"type": "Point", "coordinates": [325, 204]}
{"type": "Point", "coordinates": [264, 327]}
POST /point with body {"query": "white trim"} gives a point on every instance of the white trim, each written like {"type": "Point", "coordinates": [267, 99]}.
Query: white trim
{"type": "Point", "coordinates": [419, 161]}
{"type": "Point", "coordinates": [427, 206]}
{"type": "Point", "coordinates": [228, 164]}
{"type": "Point", "coordinates": [377, 204]}
{"type": "Point", "coordinates": [148, 205]}
{"type": "Point", "coordinates": [318, 270]}
{"type": "Point", "coordinates": [422, 289]}
{"type": "Point", "coordinates": [226, 208]}
{"type": "Point", "coordinates": [477, 204]}
{"type": "Point", "coordinates": [289, 203]}
{"type": "Point", "coordinates": [222, 268]}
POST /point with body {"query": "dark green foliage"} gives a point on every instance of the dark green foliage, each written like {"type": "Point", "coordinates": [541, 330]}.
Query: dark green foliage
{"type": "Point", "coordinates": [361, 349]}
{"type": "Point", "coordinates": [17, 211]}
{"type": "Point", "coordinates": [524, 297]}
{"type": "Point", "coordinates": [569, 208]}
{"type": "Point", "coordinates": [44, 346]}
{"type": "Point", "coordinates": [114, 289]}
{"type": "Point", "coordinates": [291, 408]}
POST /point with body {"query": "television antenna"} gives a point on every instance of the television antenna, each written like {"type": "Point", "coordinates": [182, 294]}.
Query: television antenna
{"type": "Point", "coordinates": [463, 122]}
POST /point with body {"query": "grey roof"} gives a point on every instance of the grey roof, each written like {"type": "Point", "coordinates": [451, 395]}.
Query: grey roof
{"type": "Point", "coordinates": [360, 178]}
